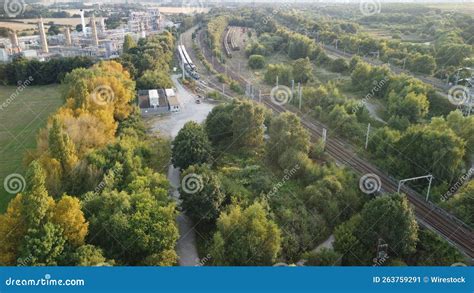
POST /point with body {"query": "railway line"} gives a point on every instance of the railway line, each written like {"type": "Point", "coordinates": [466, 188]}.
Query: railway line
{"type": "Point", "coordinates": [427, 214]}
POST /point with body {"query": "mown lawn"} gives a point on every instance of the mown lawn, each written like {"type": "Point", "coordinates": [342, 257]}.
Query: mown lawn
{"type": "Point", "coordinates": [22, 114]}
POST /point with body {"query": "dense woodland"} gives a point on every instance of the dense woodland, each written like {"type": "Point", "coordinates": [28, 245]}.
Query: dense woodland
{"type": "Point", "coordinates": [96, 190]}
{"type": "Point", "coordinates": [412, 109]}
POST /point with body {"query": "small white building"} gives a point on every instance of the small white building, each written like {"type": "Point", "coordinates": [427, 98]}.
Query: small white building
{"type": "Point", "coordinates": [174, 104]}
{"type": "Point", "coordinates": [154, 98]}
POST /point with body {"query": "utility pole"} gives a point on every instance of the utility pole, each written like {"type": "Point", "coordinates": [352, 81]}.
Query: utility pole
{"type": "Point", "coordinates": [367, 136]}
{"type": "Point", "coordinates": [325, 132]}
{"type": "Point", "coordinates": [300, 96]}
{"type": "Point", "coordinates": [277, 81]}
{"type": "Point", "coordinates": [292, 86]}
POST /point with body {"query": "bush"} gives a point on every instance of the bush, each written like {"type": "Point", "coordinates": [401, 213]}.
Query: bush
{"type": "Point", "coordinates": [256, 62]}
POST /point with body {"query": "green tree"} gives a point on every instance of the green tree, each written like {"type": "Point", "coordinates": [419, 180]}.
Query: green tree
{"type": "Point", "coordinates": [377, 218]}
{"type": "Point", "coordinates": [302, 70]}
{"type": "Point", "coordinates": [89, 255]}
{"type": "Point", "coordinates": [256, 61]}
{"type": "Point", "coordinates": [128, 43]}
{"type": "Point", "coordinates": [131, 226]}
{"type": "Point", "coordinates": [323, 257]}
{"type": "Point", "coordinates": [286, 132]}
{"type": "Point", "coordinates": [432, 250]}
{"type": "Point", "coordinates": [247, 124]}
{"type": "Point", "coordinates": [62, 149]}
{"type": "Point", "coordinates": [245, 237]}
{"type": "Point", "coordinates": [218, 123]}
{"type": "Point", "coordinates": [191, 146]}
{"type": "Point", "coordinates": [412, 106]}
{"type": "Point", "coordinates": [202, 193]}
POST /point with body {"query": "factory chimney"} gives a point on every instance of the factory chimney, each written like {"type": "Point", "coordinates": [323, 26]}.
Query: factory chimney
{"type": "Point", "coordinates": [67, 35]}
{"type": "Point", "coordinates": [83, 23]}
{"type": "Point", "coordinates": [102, 25]}
{"type": "Point", "coordinates": [14, 40]}
{"type": "Point", "coordinates": [95, 38]}
{"type": "Point", "coordinates": [42, 33]}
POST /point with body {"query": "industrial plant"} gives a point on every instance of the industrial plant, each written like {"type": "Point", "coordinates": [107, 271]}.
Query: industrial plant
{"type": "Point", "coordinates": [95, 40]}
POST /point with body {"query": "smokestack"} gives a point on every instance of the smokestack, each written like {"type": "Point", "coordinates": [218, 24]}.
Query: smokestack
{"type": "Point", "coordinates": [42, 33]}
{"type": "Point", "coordinates": [14, 40]}
{"type": "Point", "coordinates": [102, 25]}
{"type": "Point", "coordinates": [67, 35]}
{"type": "Point", "coordinates": [83, 22]}
{"type": "Point", "coordinates": [95, 38]}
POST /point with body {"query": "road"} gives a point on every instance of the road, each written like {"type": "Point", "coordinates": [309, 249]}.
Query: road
{"type": "Point", "coordinates": [170, 125]}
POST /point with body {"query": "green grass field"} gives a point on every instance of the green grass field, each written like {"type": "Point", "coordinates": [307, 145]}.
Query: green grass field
{"type": "Point", "coordinates": [20, 119]}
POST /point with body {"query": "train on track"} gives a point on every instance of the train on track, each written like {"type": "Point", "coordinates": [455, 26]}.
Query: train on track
{"type": "Point", "coordinates": [230, 43]}
{"type": "Point", "coordinates": [187, 63]}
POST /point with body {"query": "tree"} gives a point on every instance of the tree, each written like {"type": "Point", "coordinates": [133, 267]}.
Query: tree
{"type": "Point", "coordinates": [422, 63]}
{"type": "Point", "coordinates": [128, 43]}
{"type": "Point", "coordinates": [89, 255]}
{"type": "Point", "coordinates": [62, 148]}
{"type": "Point", "coordinates": [439, 152]}
{"type": "Point", "coordinates": [53, 30]}
{"type": "Point", "coordinates": [68, 216]}
{"type": "Point", "coordinates": [412, 106]}
{"type": "Point", "coordinates": [154, 79]}
{"type": "Point", "coordinates": [323, 257]}
{"type": "Point", "coordinates": [462, 203]}
{"type": "Point", "coordinates": [282, 71]}
{"type": "Point", "coordinates": [245, 237]}
{"type": "Point", "coordinates": [218, 123]}
{"type": "Point", "coordinates": [202, 193]}
{"type": "Point", "coordinates": [432, 250]}
{"type": "Point", "coordinates": [340, 65]}
{"type": "Point", "coordinates": [286, 132]}
{"type": "Point", "coordinates": [247, 124]}
{"type": "Point", "coordinates": [191, 146]}
{"type": "Point", "coordinates": [302, 70]}
{"type": "Point", "coordinates": [38, 229]}
{"type": "Point", "coordinates": [256, 61]}
{"type": "Point", "coordinates": [131, 226]}
{"type": "Point", "coordinates": [391, 219]}
{"type": "Point", "coordinates": [43, 245]}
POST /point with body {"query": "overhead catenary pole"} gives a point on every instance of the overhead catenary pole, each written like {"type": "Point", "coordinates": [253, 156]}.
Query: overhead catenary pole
{"type": "Point", "coordinates": [429, 177]}
{"type": "Point", "coordinates": [325, 133]}
{"type": "Point", "coordinates": [300, 94]}
{"type": "Point", "coordinates": [367, 136]}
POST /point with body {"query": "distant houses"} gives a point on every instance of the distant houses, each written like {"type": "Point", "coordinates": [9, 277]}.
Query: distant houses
{"type": "Point", "coordinates": [158, 101]}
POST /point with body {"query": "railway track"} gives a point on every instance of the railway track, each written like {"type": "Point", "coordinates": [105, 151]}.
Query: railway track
{"type": "Point", "coordinates": [427, 214]}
